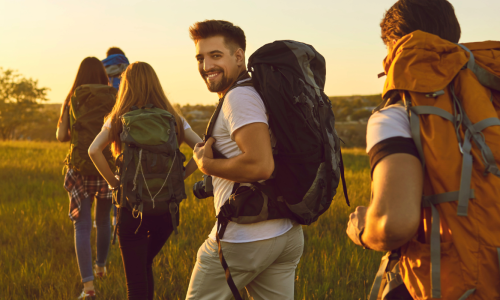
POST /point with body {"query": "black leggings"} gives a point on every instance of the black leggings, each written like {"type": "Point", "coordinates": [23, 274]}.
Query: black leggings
{"type": "Point", "coordinates": [138, 250]}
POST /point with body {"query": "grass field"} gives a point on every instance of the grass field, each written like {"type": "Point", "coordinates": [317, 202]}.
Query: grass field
{"type": "Point", "coordinates": [37, 255]}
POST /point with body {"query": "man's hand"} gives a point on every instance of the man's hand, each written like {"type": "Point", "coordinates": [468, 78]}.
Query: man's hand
{"type": "Point", "coordinates": [202, 153]}
{"type": "Point", "coordinates": [356, 224]}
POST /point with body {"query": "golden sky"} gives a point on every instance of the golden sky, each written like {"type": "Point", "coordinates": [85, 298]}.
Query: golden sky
{"type": "Point", "coordinates": [47, 40]}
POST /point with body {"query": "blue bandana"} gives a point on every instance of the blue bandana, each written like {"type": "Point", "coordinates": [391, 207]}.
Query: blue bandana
{"type": "Point", "coordinates": [115, 64]}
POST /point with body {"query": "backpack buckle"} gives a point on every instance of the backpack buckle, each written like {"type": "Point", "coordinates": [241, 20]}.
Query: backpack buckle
{"type": "Point", "coordinates": [225, 211]}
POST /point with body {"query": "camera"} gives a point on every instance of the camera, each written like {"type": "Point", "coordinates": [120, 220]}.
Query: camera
{"type": "Point", "coordinates": [204, 189]}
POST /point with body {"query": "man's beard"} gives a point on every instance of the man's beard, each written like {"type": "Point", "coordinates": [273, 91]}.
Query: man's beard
{"type": "Point", "coordinates": [216, 87]}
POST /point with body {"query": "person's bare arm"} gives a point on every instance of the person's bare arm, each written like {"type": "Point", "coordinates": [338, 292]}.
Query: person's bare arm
{"type": "Point", "coordinates": [100, 142]}
{"type": "Point", "coordinates": [191, 139]}
{"type": "Point", "coordinates": [63, 134]}
{"type": "Point", "coordinates": [254, 164]}
{"type": "Point", "coordinates": [393, 216]}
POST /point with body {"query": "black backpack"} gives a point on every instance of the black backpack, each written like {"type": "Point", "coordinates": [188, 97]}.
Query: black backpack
{"type": "Point", "coordinates": [290, 77]}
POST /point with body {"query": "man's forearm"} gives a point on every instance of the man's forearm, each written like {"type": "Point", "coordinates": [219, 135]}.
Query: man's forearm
{"type": "Point", "coordinates": [240, 168]}
{"type": "Point", "coordinates": [378, 236]}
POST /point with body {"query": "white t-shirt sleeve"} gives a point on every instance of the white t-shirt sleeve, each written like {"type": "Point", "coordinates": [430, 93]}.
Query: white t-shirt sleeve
{"type": "Point", "coordinates": [241, 107]}
{"type": "Point", "coordinates": [185, 124]}
{"type": "Point", "coordinates": [387, 123]}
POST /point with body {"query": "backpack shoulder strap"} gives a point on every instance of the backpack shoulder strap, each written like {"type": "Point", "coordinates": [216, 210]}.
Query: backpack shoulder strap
{"type": "Point", "coordinates": [213, 119]}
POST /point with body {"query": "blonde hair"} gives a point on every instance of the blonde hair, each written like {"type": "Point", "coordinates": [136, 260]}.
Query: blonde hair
{"type": "Point", "coordinates": [139, 86]}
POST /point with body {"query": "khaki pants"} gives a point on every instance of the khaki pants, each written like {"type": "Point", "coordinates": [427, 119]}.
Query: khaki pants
{"type": "Point", "coordinates": [265, 268]}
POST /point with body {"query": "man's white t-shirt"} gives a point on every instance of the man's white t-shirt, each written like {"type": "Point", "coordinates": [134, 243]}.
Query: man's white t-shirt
{"type": "Point", "coordinates": [391, 121]}
{"type": "Point", "coordinates": [242, 106]}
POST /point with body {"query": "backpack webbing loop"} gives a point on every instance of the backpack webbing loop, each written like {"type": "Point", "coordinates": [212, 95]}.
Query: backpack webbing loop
{"type": "Point", "coordinates": [173, 208]}
{"type": "Point", "coordinates": [433, 110]}
{"type": "Point", "coordinates": [378, 278]}
{"type": "Point", "coordinates": [498, 252]}
{"type": "Point", "coordinates": [389, 283]}
{"type": "Point", "coordinates": [139, 213]}
{"type": "Point", "coordinates": [466, 177]}
{"type": "Point", "coordinates": [414, 127]}
{"type": "Point", "coordinates": [484, 77]}
{"type": "Point", "coordinates": [116, 226]}
{"type": "Point", "coordinates": [342, 177]}
{"type": "Point", "coordinates": [435, 248]}
{"type": "Point", "coordinates": [427, 201]}
{"type": "Point", "coordinates": [137, 170]}
{"type": "Point", "coordinates": [221, 228]}
{"type": "Point", "coordinates": [467, 294]}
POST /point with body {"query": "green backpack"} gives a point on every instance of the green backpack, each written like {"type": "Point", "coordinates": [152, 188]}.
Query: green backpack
{"type": "Point", "coordinates": [89, 105]}
{"type": "Point", "coordinates": [150, 166]}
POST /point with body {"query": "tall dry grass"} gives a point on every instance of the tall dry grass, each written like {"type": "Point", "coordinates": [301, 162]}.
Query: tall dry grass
{"type": "Point", "coordinates": [37, 255]}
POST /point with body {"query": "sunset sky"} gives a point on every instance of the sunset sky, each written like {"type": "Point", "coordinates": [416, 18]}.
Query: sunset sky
{"type": "Point", "coordinates": [47, 40]}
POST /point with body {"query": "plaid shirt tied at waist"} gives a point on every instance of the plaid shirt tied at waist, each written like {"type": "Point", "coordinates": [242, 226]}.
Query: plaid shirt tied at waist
{"type": "Point", "coordinates": [80, 187]}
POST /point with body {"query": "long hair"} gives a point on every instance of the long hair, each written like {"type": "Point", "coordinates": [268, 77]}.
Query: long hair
{"type": "Point", "coordinates": [91, 71]}
{"type": "Point", "coordinates": [139, 86]}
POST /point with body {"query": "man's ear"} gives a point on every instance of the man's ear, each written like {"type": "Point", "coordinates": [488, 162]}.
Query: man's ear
{"type": "Point", "coordinates": [240, 56]}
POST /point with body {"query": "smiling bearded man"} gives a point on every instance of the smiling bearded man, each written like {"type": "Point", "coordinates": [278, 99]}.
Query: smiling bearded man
{"type": "Point", "coordinates": [262, 256]}
{"type": "Point", "coordinates": [211, 77]}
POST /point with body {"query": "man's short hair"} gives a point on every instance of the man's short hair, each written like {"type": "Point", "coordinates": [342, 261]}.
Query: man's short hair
{"type": "Point", "coordinates": [234, 37]}
{"type": "Point", "coordinates": [432, 16]}
{"type": "Point", "coordinates": [114, 50]}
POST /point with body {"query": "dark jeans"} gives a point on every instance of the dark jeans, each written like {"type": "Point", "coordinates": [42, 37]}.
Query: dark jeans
{"type": "Point", "coordinates": [138, 250]}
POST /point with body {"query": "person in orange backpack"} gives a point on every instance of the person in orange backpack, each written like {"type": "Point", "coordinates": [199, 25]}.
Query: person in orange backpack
{"type": "Point", "coordinates": [434, 151]}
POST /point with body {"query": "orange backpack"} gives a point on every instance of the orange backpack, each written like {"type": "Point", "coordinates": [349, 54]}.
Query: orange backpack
{"type": "Point", "coordinates": [452, 95]}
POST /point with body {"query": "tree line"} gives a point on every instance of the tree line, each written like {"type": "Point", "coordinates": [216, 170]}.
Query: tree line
{"type": "Point", "coordinates": [25, 115]}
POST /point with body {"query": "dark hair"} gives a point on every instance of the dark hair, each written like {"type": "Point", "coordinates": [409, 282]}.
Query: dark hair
{"type": "Point", "coordinates": [233, 35]}
{"type": "Point", "coordinates": [432, 16]}
{"type": "Point", "coordinates": [114, 50]}
{"type": "Point", "coordinates": [91, 71]}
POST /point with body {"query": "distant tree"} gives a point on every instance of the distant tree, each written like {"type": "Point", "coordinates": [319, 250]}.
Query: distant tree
{"type": "Point", "coordinates": [361, 114]}
{"type": "Point", "coordinates": [44, 127]}
{"type": "Point", "coordinates": [345, 107]}
{"type": "Point", "coordinates": [20, 102]}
